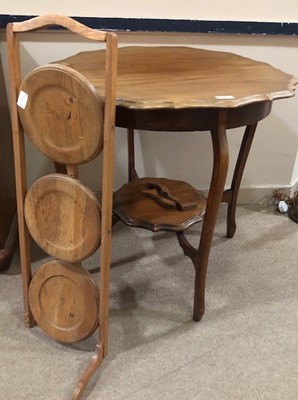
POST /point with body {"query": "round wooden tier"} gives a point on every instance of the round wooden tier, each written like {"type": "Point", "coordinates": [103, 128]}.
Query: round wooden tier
{"type": "Point", "coordinates": [135, 208]}
{"type": "Point", "coordinates": [64, 300]}
{"type": "Point", "coordinates": [62, 114]}
{"type": "Point", "coordinates": [63, 217]}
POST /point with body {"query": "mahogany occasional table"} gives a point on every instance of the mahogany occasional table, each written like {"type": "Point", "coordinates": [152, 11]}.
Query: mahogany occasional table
{"type": "Point", "coordinates": [187, 89]}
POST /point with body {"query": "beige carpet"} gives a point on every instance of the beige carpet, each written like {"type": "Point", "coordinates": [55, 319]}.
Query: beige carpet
{"type": "Point", "coordinates": [246, 346]}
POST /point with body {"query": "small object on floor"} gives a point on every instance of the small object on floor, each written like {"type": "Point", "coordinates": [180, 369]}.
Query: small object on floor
{"type": "Point", "coordinates": [293, 213]}
{"type": "Point", "coordinates": [282, 206]}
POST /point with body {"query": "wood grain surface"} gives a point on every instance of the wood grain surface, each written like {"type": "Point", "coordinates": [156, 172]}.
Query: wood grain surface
{"type": "Point", "coordinates": [78, 220]}
{"type": "Point", "coordinates": [184, 77]}
{"type": "Point", "coordinates": [64, 301]}
{"type": "Point", "coordinates": [63, 217]}
{"type": "Point", "coordinates": [62, 114]}
{"type": "Point", "coordinates": [135, 208]}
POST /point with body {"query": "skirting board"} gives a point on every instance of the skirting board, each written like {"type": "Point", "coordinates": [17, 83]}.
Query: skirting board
{"type": "Point", "coordinates": [253, 194]}
{"type": "Point", "coordinates": [260, 194]}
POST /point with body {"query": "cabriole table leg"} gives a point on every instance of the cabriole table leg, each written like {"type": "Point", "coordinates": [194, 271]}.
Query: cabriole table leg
{"type": "Point", "coordinates": [230, 196]}
{"type": "Point", "coordinates": [200, 257]}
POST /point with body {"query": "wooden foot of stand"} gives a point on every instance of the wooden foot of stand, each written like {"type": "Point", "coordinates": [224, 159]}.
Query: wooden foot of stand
{"type": "Point", "coordinates": [92, 367]}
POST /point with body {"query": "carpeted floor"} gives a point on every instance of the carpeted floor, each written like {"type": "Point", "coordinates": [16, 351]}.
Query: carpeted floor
{"type": "Point", "coordinates": [245, 348]}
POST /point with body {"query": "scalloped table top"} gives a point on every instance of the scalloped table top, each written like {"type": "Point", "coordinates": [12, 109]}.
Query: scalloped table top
{"type": "Point", "coordinates": [185, 77]}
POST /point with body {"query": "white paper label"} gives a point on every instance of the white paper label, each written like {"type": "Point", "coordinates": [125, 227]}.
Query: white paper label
{"type": "Point", "coordinates": [22, 99]}
{"type": "Point", "coordinates": [224, 97]}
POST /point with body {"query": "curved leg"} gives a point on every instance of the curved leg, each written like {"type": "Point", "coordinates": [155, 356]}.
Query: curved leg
{"type": "Point", "coordinates": [231, 195]}
{"type": "Point", "coordinates": [200, 257]}
{"type": "Point", "coordinates": [132, 173]}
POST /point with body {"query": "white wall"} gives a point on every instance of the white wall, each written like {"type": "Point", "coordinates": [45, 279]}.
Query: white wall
{"type": "Point", "coordinates": [272, 160]}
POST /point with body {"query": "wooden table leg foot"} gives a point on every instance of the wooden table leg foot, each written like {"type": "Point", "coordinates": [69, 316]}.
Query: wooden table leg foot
{"type": "Point", "coordinates": [199, 290]}
{"type": "Point", "coordinates": [198, 314]}
{"type": "Point", "coordinates": [199, 298]}
{"type": "Point", "coordinates": [231, 220]}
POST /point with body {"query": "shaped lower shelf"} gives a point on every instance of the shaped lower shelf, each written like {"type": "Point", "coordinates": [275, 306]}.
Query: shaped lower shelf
{"type": "Point", "coordinates": [159, 204]}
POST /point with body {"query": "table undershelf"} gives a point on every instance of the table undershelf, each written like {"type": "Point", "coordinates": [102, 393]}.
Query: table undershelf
{"type": "Point", "coordinates": [136, 207]}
